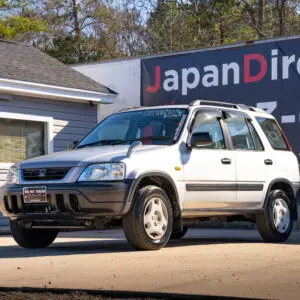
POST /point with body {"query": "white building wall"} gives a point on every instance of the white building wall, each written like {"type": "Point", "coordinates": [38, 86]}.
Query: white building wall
{"type": "Point", "coordinates": [122, 76]}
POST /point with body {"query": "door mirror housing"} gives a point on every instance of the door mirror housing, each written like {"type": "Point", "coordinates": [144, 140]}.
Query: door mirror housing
{"type": "Point", "coordinates": [201, 140]}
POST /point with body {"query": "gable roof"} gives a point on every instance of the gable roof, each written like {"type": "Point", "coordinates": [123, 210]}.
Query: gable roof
{"type": "Point", "coordinates": [23, 62]}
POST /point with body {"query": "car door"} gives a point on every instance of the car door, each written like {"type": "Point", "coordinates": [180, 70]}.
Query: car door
{"type": "Point", "coordinates": [254, 166]}
{"type": "Point", "coordinates": [209, 171]}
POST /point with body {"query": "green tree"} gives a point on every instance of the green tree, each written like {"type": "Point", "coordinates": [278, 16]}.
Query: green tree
{"type": "Point", "coordinates": [89, 30]}
{"type": "Point", "coordinates": [17, 22]}
{"type": "Point", "coordinates": [186, 24]}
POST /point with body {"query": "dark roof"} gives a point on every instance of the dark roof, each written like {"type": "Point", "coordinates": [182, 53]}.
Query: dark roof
{"type": "Point", "coordinates": [26, 63]}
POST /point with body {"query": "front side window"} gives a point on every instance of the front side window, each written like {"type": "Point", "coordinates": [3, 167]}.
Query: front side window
{"type": "Point", "coordinates": [207, 122]}
{"type": "Point", "coordinates": [20, 140]}
{"type": "Point", "coordinates": [273, 133]}
{"type": "Point", "coordinates": [240, 133]}
{"type": "Point", "coordinates": [150, 126]}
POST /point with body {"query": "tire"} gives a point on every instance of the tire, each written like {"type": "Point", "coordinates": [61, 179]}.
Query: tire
{"type": "Point", "coordinates": [32, 238]}
{"type": "Point", "coordinates": [278, 210]}
{"type": "Point", "coordinates": [176, 235]}
{"type": "Point", "coordinates": [140, 228]}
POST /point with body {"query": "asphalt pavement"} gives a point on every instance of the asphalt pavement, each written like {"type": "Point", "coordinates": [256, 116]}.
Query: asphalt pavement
{"type": "Point", "coordinates": [215, 262]}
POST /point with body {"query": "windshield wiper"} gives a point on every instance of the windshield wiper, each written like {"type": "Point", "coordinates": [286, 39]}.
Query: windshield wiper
{"type": "Point", "coordinates": [119, 142]}
{"type": "Point", "coordinates": [100, 143]}
{"type": "Point", "coordinates": [145, 138]}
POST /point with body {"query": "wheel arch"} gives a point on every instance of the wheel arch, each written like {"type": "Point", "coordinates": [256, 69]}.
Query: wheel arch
{"type": "Point", "coordinates": [286, 186]}
{"type": "Point", "coordinates": [165, 182]}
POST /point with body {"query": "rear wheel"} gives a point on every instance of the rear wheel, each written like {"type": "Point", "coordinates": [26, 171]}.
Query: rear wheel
{"type": "Point", "coordinates": [32, 238]}
{"type": "Point", "coordinates": [149, 222]}
{"type": "Point", "coordinates": [176, 235]}
{"type": "Point", "coordinates": [275, 224]}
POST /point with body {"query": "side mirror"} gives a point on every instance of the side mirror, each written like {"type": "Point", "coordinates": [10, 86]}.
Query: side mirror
{"type": "Point", "coordinates": [201, 140]}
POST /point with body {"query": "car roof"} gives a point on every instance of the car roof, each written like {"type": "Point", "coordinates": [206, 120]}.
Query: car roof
{"type": "Point", "coordinates": [251, 111]}
{"type": "Point", "coordinates": [134, 108]}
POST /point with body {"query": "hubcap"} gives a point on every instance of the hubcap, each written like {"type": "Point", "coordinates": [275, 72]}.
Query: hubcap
{"type": "Point", "coordinates": [155, 218]}
{"type": "Point", "coordinates": [281, 215]}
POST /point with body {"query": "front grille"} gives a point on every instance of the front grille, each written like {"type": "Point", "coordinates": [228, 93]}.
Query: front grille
{"type": "Point", "coordinates": [74, 203]}
{"type": "Point", "coordinates": [60, 202]}
{"type": "Point", "coordinates": [44, 174]}
{"type": "Point", "coordinates": [57, 203]}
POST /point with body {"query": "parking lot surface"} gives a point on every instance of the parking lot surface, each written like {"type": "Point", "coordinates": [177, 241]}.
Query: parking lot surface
{"type": "Point", "coordinates": [205, 262]}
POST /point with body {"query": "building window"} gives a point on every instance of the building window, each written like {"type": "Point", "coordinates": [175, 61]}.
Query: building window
{"type": "Point", "coordinates": [20, 140]}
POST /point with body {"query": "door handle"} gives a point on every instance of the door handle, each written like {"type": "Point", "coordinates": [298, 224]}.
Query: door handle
{"type": "Point", "coordinates": [268, 162]}
{"type": "Point", "coordinates": [226, 161]}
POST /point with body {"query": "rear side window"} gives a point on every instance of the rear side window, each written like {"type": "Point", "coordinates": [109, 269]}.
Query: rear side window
{"type": "Point", "coordinates": [273, 133]}
{"type": "Point", "coordinates": [257, 142]}
{"type": "Point", "coordinates": [240, 133]}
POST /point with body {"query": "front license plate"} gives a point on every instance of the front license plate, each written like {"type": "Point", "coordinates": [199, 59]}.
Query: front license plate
{"type": "Point", "coordinates": [35, 194]}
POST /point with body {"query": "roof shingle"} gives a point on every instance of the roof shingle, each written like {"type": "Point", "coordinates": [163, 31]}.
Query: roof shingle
{"type": "Point", "coordinates": [26, 63]}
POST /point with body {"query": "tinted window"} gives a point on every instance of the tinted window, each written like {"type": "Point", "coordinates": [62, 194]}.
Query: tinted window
{"type": "Point", "coordinates": [206, 122]}
{"type": "Point", "coordinates": [240, 133]}
{"type": "Point", "coordinates": [256, 139]}
{"type": "Point", "coordinates": [115, 131]}
{"type": "Point", "coordinates": [273, 133]}
{"type": "Point", "coordinates": [150, 126]}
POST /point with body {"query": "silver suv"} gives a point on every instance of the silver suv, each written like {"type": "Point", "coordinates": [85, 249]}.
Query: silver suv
{"type": "Point", "coordinates": [155, 171]}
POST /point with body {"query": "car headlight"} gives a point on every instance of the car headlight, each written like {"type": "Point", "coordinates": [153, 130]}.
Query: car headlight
{"type": "Point", "coordinates": [103, 172]}
{"type": "Point", "coordinates": [13, 175]}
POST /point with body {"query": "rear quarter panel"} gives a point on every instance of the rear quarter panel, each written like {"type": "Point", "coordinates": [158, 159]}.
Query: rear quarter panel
{"type": "Point", "coordinates": [287, 166]}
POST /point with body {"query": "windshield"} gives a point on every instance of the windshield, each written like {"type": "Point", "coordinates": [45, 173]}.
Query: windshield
{"type": "Point", "coordinates": [151, 126]}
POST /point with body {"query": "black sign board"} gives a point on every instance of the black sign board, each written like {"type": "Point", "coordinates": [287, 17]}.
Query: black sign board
{"type": "Point", "coordinates": [264, 74]}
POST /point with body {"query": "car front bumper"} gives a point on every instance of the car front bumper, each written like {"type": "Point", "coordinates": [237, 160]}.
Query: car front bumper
{"type": "Point", "coordinates": [69, 200]}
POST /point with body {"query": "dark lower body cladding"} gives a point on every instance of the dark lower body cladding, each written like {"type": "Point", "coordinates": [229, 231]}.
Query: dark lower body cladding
{"type": "Point", "coordinates": [69, 205]}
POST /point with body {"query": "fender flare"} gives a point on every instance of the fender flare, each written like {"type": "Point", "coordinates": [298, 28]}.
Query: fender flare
{"type": "Point", "coordinates": [178, 224]}
{"type": "Point", "coordinates": [294, 200]}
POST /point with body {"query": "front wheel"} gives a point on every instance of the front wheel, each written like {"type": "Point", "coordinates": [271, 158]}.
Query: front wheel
{"type": "Point", "coordinates": [149, 222]}
{"type": "Point", "coordinates": [32, 238]}
{"type": "Point", "coordinates": [275, 224]}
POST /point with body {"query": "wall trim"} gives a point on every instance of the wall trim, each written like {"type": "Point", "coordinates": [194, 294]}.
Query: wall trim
{"type": "Point", "coordinates": [53, 92]}
{"type": "Point", "coordinates": [5, 166]}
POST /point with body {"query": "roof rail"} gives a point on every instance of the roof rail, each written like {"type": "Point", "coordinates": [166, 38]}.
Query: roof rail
{"type": "Point", "coordinates": [246, 107]}
{"type": "Point", "coordinates": [130, 108]}
{"type": "Point", "coordinates": [260, 110]}
{"type": "Point", "coordinates": [200, 102]}
{"type": "Point", "coordinates": [232, 105]}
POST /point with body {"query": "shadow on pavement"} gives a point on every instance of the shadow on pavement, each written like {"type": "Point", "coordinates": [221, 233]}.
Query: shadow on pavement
{"type": "Point", "coordinates": [99, 247]}
{"type": "Point", "coordinates": [115, 242]}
